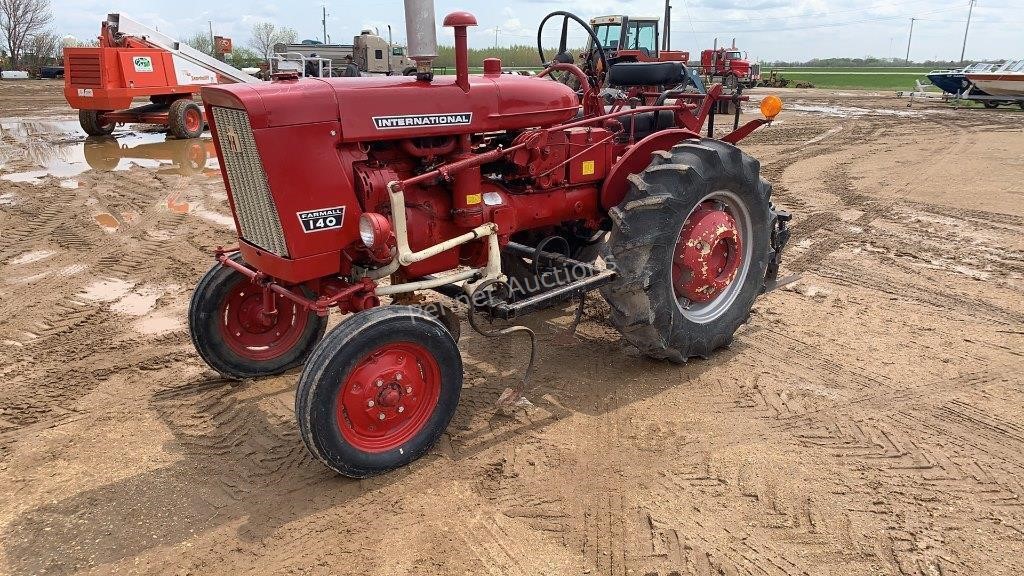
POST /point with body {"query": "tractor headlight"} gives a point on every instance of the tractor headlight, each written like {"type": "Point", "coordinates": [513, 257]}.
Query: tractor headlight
{"type": "Point", "coordinates": [366, 231]}
{"type": "Point", "coordinates": [375, 231]}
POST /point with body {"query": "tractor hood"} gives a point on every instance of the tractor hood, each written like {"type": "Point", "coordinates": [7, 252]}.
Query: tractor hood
{"type": "Point", "coordinates": [392, 107]}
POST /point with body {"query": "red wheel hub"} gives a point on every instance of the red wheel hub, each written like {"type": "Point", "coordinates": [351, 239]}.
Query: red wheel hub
{"type": "Point", "coordinates": [707, 255]}
{"type": "Point", "coordinates": [193, 119]}
{"type": "Point", "coordinates": [251, 333]}
{"type": "Point", "coordinates": [388, 397]}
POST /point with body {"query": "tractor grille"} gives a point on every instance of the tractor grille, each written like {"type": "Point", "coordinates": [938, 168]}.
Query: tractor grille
{"type": "Point", "coordinates": [84, 70]}
{"type": "Point", "coordinates": [254, 206]}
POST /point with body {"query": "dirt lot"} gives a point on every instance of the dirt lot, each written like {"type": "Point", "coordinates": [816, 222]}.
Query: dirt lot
{"type": "Point", "coordinates": [868, 420]}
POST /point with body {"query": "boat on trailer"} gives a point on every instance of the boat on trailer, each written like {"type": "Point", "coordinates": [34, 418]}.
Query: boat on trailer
{"type": "Point", "coordinates": [1004, 85]}
{"type": "Point", "coordinates": [1007, 80]}
{"type": "Point", "coordinates": [955, 81]}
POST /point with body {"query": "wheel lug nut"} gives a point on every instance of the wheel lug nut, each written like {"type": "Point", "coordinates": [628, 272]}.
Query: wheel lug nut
{"type": "Point", "coordinates": [370, 403]}
{"type": "Point", "coordinates": [408, 389]}
{"type": "Point", "coordinates": [379, 383]}
{"type": "Point", "coordinates": [401, 409]}
{"type": "Point", "coordinates": [398, 376]}
{"type": "Point", "coordinates": [381, 416]}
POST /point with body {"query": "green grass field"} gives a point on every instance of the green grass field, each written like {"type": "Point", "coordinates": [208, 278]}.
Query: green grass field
{"type": "Point", "coordinates": [855, 78]}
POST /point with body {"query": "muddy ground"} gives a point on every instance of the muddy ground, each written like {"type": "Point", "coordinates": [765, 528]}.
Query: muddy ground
{"type": "Point", "coordinates": [868, 419]}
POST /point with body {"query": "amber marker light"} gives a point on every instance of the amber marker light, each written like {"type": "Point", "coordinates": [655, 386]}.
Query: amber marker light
{"type": "Point", "coordinates": [771, 106]}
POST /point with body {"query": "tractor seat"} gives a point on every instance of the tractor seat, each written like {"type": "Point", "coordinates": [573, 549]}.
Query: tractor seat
{"type": "Point", "coordinates": [646, 74]}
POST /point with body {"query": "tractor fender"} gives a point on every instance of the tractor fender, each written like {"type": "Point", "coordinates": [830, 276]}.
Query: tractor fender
{"type": "Point", "coordinates": [615, 185]}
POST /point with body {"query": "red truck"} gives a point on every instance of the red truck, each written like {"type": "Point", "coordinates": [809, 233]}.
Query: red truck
{"type": "Point", "coordinates": [729, 67]}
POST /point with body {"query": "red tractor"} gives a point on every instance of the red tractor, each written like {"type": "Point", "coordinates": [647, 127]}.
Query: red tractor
{"type": "Point", "coordinates": [500, 190]}
{"type": "Point", "coordinates": [632, 39]}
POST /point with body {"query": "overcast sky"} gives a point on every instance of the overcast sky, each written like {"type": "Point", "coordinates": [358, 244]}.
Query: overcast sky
{"type": "Point", "coordinates": [768, 29]}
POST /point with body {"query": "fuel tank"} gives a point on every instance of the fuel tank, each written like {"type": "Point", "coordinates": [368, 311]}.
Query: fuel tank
{"type": "Point", "coordinates": [386, 108]}
{"type": "Point", "coordinates": [394, 107]}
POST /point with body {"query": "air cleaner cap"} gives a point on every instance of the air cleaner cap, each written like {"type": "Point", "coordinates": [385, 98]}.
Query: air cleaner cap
{"type": "Point", "coordinates": [456, 19]}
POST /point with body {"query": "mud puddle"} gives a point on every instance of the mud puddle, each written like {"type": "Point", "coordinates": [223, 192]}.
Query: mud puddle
{"type": "Point", "coordinates": [854, 111]}
{"type": "Point", "coordinates": [59, 150]}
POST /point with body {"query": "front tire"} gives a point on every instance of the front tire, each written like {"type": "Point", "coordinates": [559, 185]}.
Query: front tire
{"type": "Point", "coordinates": [379, 391]}
{"type": "Point", "coordinates": [691, 243]}
{"type": "Point", "coordinates": [230, 336]}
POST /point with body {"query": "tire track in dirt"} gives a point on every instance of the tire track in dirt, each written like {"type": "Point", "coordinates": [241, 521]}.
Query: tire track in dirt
{"type": "Point", "coordinates": [905, 450]}
{"type": "Point", "coordinates": [70, 335]}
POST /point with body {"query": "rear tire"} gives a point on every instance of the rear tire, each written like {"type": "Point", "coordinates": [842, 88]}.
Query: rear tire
{"type": "Point", "coordinates": [92, 125]}
{"type": "Point", "coordinates": [990, 104]}
{"type": "Point", "coordinates": [185, 119]}
{"type": "Point", "coordinates": [645, 243]}
{"type": "Point", "coordinates": [379, 391]}
{"type": "Point", "coordinates": [219, 314]}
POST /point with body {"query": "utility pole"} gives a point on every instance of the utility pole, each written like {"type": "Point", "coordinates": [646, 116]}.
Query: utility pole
{"type": "Point", "coordinates": [909, 38]}
{"type": "Point", "coordinates": [666, 43]}
{"type": "Point", "coordinates": [964, 49]}
{"type": "Point", "coordinates": [324, 22]}
{"type": "Point", "coordinates": [210, 22]}
{"type": "Point", "coordinates": [496, 30]}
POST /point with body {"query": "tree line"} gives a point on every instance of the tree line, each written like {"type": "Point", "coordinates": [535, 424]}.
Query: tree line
{"type": "Point", "coordinates": [24, 26]}
{"type": "Point", "coordinates": [868, 62]}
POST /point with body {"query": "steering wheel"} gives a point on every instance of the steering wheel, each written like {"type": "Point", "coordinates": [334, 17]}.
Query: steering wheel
{"type": "Point", "coordinates": [563, 56]}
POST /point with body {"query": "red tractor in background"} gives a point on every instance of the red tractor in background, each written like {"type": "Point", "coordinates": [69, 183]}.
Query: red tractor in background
{"type": "Point", "coordinates": [729, 66]}
{"type": "Point", "coordinates": [497, 190]}
{"type": "Point", "coordinates": [632, 39]}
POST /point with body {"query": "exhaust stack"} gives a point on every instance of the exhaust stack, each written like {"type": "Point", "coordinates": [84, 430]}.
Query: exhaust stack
{"type": "Point", "coordinates": [421, 36]}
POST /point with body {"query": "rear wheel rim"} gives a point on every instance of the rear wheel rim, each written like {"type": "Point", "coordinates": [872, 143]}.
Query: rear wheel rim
{"type": "Point", "coordinates": [256, 336]}
{"type": "Point", "coordinates": [712, 256]}
{"type": "Point", "coordinates": [388, 397]}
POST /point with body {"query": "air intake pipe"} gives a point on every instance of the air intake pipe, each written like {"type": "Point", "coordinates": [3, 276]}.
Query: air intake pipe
{"type": "Point", "coordinates": [460, 21]}
{"type": "Point", "coordinates": [421, 36]}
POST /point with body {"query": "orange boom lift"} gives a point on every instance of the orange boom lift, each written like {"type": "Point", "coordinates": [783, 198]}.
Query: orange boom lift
{"type": "Point", "coordinates": [134, 61]}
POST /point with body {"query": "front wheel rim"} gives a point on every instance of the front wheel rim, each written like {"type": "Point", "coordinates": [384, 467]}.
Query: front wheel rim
{"type": "Point", "coordinates": [254, 335]}
{"type": "Point", "coordinates": [388, 397]}
{"type": "Point", "coordinates": [712, 256]}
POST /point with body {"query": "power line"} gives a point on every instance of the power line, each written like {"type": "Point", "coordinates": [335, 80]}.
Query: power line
{"type": "Point", "coordinates": [909, 38]}
{"type": "Point", "coordinates": [966, 29]}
